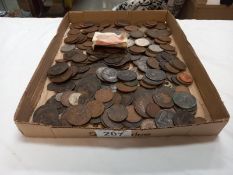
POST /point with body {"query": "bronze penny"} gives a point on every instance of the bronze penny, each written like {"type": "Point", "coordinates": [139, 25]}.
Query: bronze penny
{"type": "Point", "coordinates": [152, 109]}
{"type": "Point", "coordinates": [176, 63]}
{"type": "Point", "coordinates": [71, 39]}
{"type": "Point", "coordinates": [65, 98]}
{"type": "Point", "coordinates": [61, 87]}
{"type": "Point", "coordinates": [199, 120]}
{"type": "Point", "coordinates": [116, 98]}
{"type": "Point", "coordinates": [153, 63]}
{"type": "Point", "coordinates": [126, 99]}
{"type": "Point", "coordinates": [117, 113]}
{"type": "Point", "coordinates": [159, 41]}
{"type": "Point", "coordinates": [164, 38]}
{"type": "Point", "coordinates": [163, 99]}
{"type": "Point", "coordinates": [96, 108]}
{"type": "Point", "coordinates": [79, 58]}
{"type": "Point", "coordinates": [182, 89]}
{"type": "Point", "coordinates": [109, 123]}
{"type": "Point", "coordinates": [104, 95]}
{"type": "Point", "coordinates": [167, 47]}
{"type": "Point", "coordinates": [184, 78]}
{"type": "Point", "coordinates": [57, 69]}
{"type": "Point", "coordinates": [124, 88]}
{"type": "Point", "coordinates": [136, 34]}
{"type": "Point", "coordinates": [170, 68]}
{"type": "Point", "coordinates": [137, 49]}
{"type": "Point", "coordinates": [77, 115]}
{"type": "Point", "coordinates": [148, 124]}
{"type": "Point", "coordinates": [73, 31]}
{"type": "Point", "coordinates": [131, 125]}
{"type": "Point", "coordinates": [132, 115]}
{"type": "Point", "coordinates": [171, 52]}
{"type": "Point", "coordinates": [63, 77]}
{"type": "Point", "coordinates": [146, 85]}
{"type": "Point", "coordinates": [131, 28]}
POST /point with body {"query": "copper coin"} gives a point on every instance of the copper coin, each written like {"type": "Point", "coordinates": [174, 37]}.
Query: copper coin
{"type": "Point", "coordinates": [65, 98]}
{"type": "Point", "coordinates": [152, 109]}
{"type": "Point", "coordinates": [153, 63]}
{"type": "Point", "coordinates": [117, 113]}
{"type": "Point", "coordinates": [157, 41]}
{"type": "Point", "coordinates": [131, 125]}
{"type": "Point", "coordinates": [116, 98]}
{"type": "Point", "coordinates": [137, 49]}
{"type": "Point", "coordinates": [185, 77]}
{"type": "Point", "coordinates": [60, 60]}
{"type": "Point", "coordinates": [163, 99]}
{"type": "Point", "coordinates": [109, 123]}
{"type": "Point", "coordinates": [67, 48]}
{"type": "Point", "coordinates": [77, 115]}
{"type": "Point", "coordinates": [167, 47]}
{"type": "Point", "coordinates": [126, 99]}
{"type": "Point", "coordinates": [90, 35]}
{"type": "Point", "coordinates": [96, 108]}
{"type": "Point", "coordinates": [131, 28]}
{"type": "Point", "coordinates": [199, 120]}
{"type": "Point", "coordinates": [177, 64]}
{"type": "Point", "coordinates": [57, 69]}
{"type": "Point", "coordinates": [136, 34]}
{"type": "Point", "coordinates": [88, 44]}
{"type": "Point", "coordinates": [124, 88]}
{"type": "Point", "coordinates": [104, 95]}
{"type": "Point", "coordinates": [182, 89]}
{"type": "Point", "coordinates": [146, 85]}
{"type": "Point", "coordinates": [132, 115]}
{"type": "Point", "coordinates": [170, 68]}
{"type": "Point", "coordinates": [155, 48]}
{"type": "Point", "coordinates": [164, 38]}
{"type": "Point", "coordinates": [183, 118]}
{"type": "Point", "coordinates": [71, 39]}
{"type": "Point", "coordinates": [79, 58]}
{"type": "Point", "coordinates": [148, 124]}
{"type": "Point", "coordinates": [63, 77]}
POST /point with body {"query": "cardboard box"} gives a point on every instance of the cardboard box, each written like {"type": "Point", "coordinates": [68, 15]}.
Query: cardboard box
{"type": "Point", "coordinates": [198, 9]}
{"type": "Point", "coordinates": [210, 105]}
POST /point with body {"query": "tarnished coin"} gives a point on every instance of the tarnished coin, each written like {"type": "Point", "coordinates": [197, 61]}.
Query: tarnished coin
{"type": "Point", "coordinates": [124, 88]}
{"type": "Point", "coordinates": [137, 49]}
{"type": "Point", "coordinates": [57, 69]}
{"type": "Point", "coordinates": [61, 87]}
{"type": "Point", "coordinates": [117, 113]}
{"type": "Point", "coordinates": [58, 96]}
{"type": "Point", "coordinates": [164, 38]}
{"type": "Point", "coordinates": [164, 119]}
{"type": "Point", "coordinates": [67, 48]}
{"type": "Point", "coordinates": [184, 100]}
{"type": "Point", "coordinates": [74, 98]}
{"type": "Point", "coordinates": [153, 63]}
{"type": "Point", "coordinates": [152, 82]}
{"type": "Point", "coordinates": [161, 26]}
{"type": "Point", "coordinates": [148, 124]}
{"type": "Point", "coordinates": [150, 23]}
{"type": "Point", "coordinates": [152, 109]}
{"type": "Point", "coordinates": [167, 47]}
{"type": "Point", "coordinates": [142, 63]}
{"type": "Point", "coordinates": [163, 99]}
{"type": "Point", "coordinates": [126, 75]}
{"type": "Point", "coordinates": [77, 115]}
{"type": "Point", "coordinates": [177, 64]}
{"type": "Point", "coordinates": [143, 42]}
{"type": "Point", "coordinates": [155, 48]}
{"type": "Point", "coordinates": [79, 58]}
{"type": "Point", "coordinates": [132, 115]}
{"type": "Point", "coordinates": [109, 123]}
{"type": "Point", "coordinates": [136, 34]}
{"type": "Point", "coordinates": [62, 77]}
{"type": "Point", "coordinates": [170, 68]}
{"type": "Point", "coordinates": [155, 75]}
{"type": "Point", "coordinates": [130, 42]}
{"type": "Point", "coordinates": [110, 75]}
{"type": "Point", "coordinates": [99, 72]}
{"type": "Point", "coordinates": [183, 118]}
{"type": "Point", "coordinates": [96, 108]}
{"type": "Point", "coordinates": [104, 95]}
{"type": "Point", "coordinates": [131, 125]}
{"type": "Point", "coordinates": [65, 98]}
{"type": "Point", "coordinates": [131, 83]}
{"type": "Point", "coordinates": [126, 99]}
{"type": "Point", "coordinates": [95, 120]}
{"type": "Point", "coordinates": [146, 85]}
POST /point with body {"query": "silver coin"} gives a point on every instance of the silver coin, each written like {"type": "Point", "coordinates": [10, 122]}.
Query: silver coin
{"type": "Point", "coordinates": [164, 119]}
{"type": "Point", "coordinates": [74, 98]}
{"type": "Point", "coordinates": [143, 42]}
{"type": "Point", "coordinates": [67, 48]}
{"type": "Point", "coordinates": [110, 75]}
{"type": "Point", "coordinates": [141, 63]}
{"type": "Point", "coordinates": [130, 43]}
{"type": "Point", "coordinates": [58, 96]}
{"type": "Point", "coordinates": [155, 48]}
{"type": "Point", "coordinates": [155, 75]}
{"type": "Point", "coordinates": [99, 72]}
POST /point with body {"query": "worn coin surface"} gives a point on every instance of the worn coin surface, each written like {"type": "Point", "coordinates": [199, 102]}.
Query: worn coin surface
{"type": "Point", "coordinates": [156, 75]}
{"type": "Point", "coordinates": [130, 42]}
{"type": "Point", "coordinates": [137, 49]}
{"type": "Point", "coordinates": [153, 63]}
{"type": "Point", "coordinates": [155, 48]}
{"type": "Point", "coordinates": [126, 75]}
{"type": "Point", "coordinates": [164, 119]}
{"type": "Point", "coordinates": [65, 98]}
{"type": "Point", "coordinates": [104, 95]}
{"type": "Point", "coordinates": [110, 75]}
{"type": "Point", "coordinates": [110, 123]}
{"type": "Point", "coordinates": [117, 113]}
{"type": "Point", "coordinates": [96, 108]}
{"type": "Point", "coordinates": [136, 34]}
{"type": "Point", "coordinates": [152, 109]}
{"type": "Point", "coordinates": [148, 124]}
{"type": "Point", "coordinates": [163, 99]}
{"type": "Point", "coordinates": [67, 48]}
{"type": "Point", "coordinates": [184, 100]}
{"type": "Point", "coordinates": [74, 98]}
{"type": "Point", "coordinates": [132, 114]}
{"type": "Point", "coordinates": [124, 88]}
{"type": "Point", "coordinates": [57, 69]}
{"type": "Point", "coordinates": [183, 118]}
{"type": "Point", "coordinates": [143, 42]}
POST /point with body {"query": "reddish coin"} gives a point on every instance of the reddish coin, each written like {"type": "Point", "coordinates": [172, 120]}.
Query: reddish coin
{"type": "Point", "coordinates": [132, 114]}
{"type": "Point", "coordinates": [96, 108]}
{"type": "Point", "coordinates": [152, 109]}
{"type": "Point", "coordinates": [104, 95]}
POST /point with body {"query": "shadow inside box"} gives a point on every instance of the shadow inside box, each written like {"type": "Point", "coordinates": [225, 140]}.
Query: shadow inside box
{"type": "Point", "coordinates": [121, 143]}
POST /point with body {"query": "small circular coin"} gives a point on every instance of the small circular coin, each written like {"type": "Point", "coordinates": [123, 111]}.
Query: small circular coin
{"type": "Point", "coordinates": [96, 108]}
{"type": "Point", "coordinates": [152, 109]}
{"type": "Point", "coordinates": [67, 48]}
{"type": "Point", "coordinates": [155, 48]}
{"type": "Point", "coordinates": [132, 114]}
{"type": "Point", "coordinates": [104, 95]}
{"type": "Point", "coordinates": [184, 100]}
{"type": "Point", "coordinates": [143, 42]}
{"type": "Point", "coordinates": [155, 75]}
{"type": "Point", "coordinates": [126, 75]}
{"type": "Point", "coordinates": [109, 74]}
{"type": "Point", "coordinates": [58, 69]}
{"type": "Point", "coordinates": [136, 34]}
{"type": "Point", "coordinates": [117, 113]}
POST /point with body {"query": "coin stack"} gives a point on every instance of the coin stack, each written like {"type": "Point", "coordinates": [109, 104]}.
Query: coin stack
{"type": "Point", "coordinates": [144, 86]}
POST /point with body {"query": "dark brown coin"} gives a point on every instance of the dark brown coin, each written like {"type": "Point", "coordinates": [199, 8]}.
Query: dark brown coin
{"type": "Point", "coordinates": [161, 26]}
{"type": "Point", "coordinates": [124, 88]}
{"type": "Point", "coordinates": [184, 100]}
{"type": "Point", "coordinates": [85, 24]}
{"type": "Point", "coordinates": [90, 29]}
{"type": "Point", "coordinates": [60, 60]}
{"type": "Point", "coordinates": [71, 39]}
{"type": "Point", "coordinates": [148, 124]}
{"type": "Point", "coordinates": [90, 35]}
{"type": "Point", "coordinates": [57, 69]}
{"type": "Point", "coordinates": [152, 109]}
{"type": "Point", "coordinates": [163, 99]}
{"type": "Point", "coordinates": [116, 98]}
{"type": "Point", "coordinates": [146, 85]}
{"type": "Point", "coordinates": [183, 118]}
{"type": "Point", "coordinates": [153, 63]}
{"type": "Point", "coordinates": [131, 28]}
{"type": "Point", "coordinates": [65, 98]}
{"type": "Point", "coordinates": [151, 23]}
{"type": "Point", "coordinates": [155, 75]}
{"type": "Point", "coordinates": [136, 34]}
{"type": "Point", "coordinates": [159, 41]}
{"type": "Point", "coordinates": [126, 99]}
{"type": "Point", "coordinates": [77, 115]}
{"type": "Point", "coordinates": [126, 75]}
{"type": "Point", "coordinates": [137, 49]}
{"type": "Point", "coordinates": [164, 38]}
{"type": "Point", "coordinates": [96, 108]}
{"type": "Point", "coordinates": [117, 113]}
{"type": "Point", "coordinates": [170, 68]}
{"type": "Point", "coordinates": [152, 82]}
{"type": "Point", "coordinates": [73, 32]}
{"type": "Point", "coordinates": [131, 83]}
{"type": "Point", "coordinates": [167, 47]}
{"type": "Point", "coordinates": [164, 119]}
{"type": "Point", "coordinates": [177, 64]}
{"type": "Point", "coordinates": [108, 122]}
{"type": "Point", "coordinates": [199, 120]}
{"type": "Point", "coordinates": [61, 87]}
{"type": "Point", "coordinates": [132, 115]}
{"type": "Point", "coordinates": [104, 95]}
{"type": "Point", "coordinates": [95, 120]}
{"type": "Point", "coordinates": [131, 125]}
{"type": "Point", "coordinates": [63, 77]}
{"type": "Point", "coordinates": [79, 58]}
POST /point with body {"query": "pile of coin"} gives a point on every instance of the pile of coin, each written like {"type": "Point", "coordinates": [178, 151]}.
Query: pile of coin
{"type": "Point", "coordinates": [144, 86]}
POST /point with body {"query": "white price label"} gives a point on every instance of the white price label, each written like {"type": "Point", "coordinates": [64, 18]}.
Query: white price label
{"type": "Point", "coordinates": [112, 133]}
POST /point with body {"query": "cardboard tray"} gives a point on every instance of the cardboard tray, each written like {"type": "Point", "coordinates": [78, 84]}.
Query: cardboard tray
{"type": "Point", "coordinates": [198, 9]}
{"type": "Point", "coordinates": [210, 105]}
